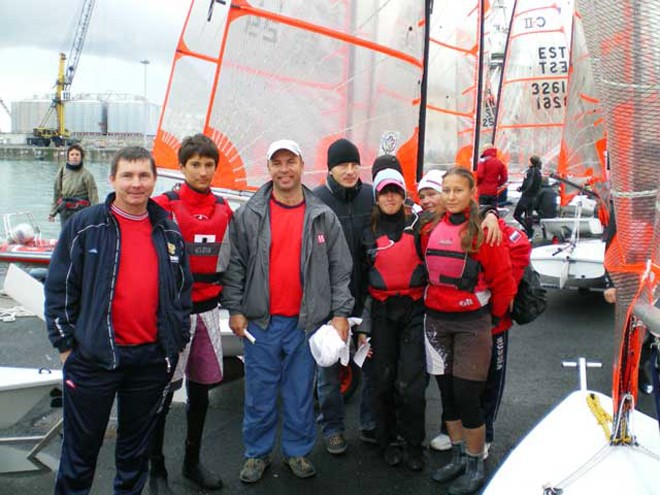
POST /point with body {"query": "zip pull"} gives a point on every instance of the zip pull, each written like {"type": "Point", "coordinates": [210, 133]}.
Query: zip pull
{"type": "Point", "coordinates": [169, 364]}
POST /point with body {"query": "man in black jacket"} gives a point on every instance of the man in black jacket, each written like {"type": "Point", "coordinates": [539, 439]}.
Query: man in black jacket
{"type": "Point", "coordinates": [118, 301]}
{"type": "Point", "coordinates": [352, 201]}
{"type": "Point", "coordinates": [530, 188]}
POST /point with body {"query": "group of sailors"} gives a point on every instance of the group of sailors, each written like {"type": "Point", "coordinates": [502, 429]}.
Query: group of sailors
{"type": "Point", "coordinates": [433, 284]}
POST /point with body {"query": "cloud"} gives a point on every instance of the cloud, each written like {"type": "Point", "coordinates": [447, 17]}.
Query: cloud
{"type": "Point", "coordinates": [121, 33]}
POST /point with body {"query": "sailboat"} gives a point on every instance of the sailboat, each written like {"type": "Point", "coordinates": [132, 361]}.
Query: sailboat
{"type": "Point", "coordinates": [532, 96]}
{"type": "Point", "coordinates": [568, 452]}
{"type": "Point", "coordinates": [577, 261]}
{"type": "Point", "coordinates": [248, 73]}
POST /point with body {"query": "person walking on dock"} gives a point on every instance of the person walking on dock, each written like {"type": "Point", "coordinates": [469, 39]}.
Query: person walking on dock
{"type": "Point", "coordinates": [530, 188]}
{"type": "Point", "coordinates": [74, 188]}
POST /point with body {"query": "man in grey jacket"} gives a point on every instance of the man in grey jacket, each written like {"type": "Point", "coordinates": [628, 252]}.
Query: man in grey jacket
{"type": "Point", "coordinates": [288, 274]}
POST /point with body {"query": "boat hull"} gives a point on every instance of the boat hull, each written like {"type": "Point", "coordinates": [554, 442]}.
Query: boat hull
{"type": "Point", "coordinates": [569, 437]}
{"type": "Point", "coordinates": [21, 389]}
{"type": "Point", "coordinates": [33, 253]}
{"type": "Point", "coordinates": [562, 266]}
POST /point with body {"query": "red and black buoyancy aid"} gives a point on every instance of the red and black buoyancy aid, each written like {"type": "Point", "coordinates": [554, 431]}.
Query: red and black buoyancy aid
{"type": "Point", "coordinates": [397, 268]}
{"type": "Point", "coordinates": [448, 265]}
{"type": "Point", "coordinates": [207, 243]}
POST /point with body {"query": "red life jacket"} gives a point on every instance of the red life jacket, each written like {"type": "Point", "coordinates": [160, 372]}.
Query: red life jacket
{"type": "Point", "coordinates": [207, 244]}
{"type": "Point", "coordinates": [397, 269]}
{"type": "Point", "coordinates": [448, 265]}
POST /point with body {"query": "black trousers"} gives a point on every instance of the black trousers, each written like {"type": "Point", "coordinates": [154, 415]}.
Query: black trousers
{"type": "Point", "coordinates": [523, 214]}
{"type": "Point", "coordinates": [140, 384]}
{"type": "Point", "coordinates": [494, 389]}
{"type": "Point", "coordinates": [399, 370]}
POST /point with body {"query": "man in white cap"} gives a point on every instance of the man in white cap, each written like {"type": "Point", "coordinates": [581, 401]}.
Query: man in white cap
{"type": "Point", "coordinates": [288, 274]}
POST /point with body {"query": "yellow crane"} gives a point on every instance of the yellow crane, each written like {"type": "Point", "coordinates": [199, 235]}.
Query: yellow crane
{"type": "Point", "coordinates": [60, 135]}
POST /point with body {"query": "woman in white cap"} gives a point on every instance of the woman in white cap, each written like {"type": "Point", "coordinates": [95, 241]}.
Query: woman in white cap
{"type": "Point", "coordinates": [396, 281]}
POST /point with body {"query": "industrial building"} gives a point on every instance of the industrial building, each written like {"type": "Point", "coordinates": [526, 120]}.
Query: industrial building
{"type": "Point", "coordinates": [90, 115]}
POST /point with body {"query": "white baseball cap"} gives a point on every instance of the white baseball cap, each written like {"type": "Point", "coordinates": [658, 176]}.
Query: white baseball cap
{"type": "Point", "coordinates": [431, 180]}
{"type": "Point", "coordinates": [283, 144]}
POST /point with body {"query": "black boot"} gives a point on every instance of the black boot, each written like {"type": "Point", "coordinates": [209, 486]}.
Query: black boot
{"type": "Point", "coordinates": [198, 403]}
{"type": "Point", "coordinates": [158, 477]}
{"type": "Point", "coordinates": [196, 472]}
{"type": "Point", "coordinates": [455, 467]}
{"type": "Point", "coordinates": [473, 478]}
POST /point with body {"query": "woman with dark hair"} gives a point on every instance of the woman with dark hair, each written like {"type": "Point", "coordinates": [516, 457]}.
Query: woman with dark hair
{"type": "Point", "coordinates": [530, 188]}
{"type": "Point", "coordinates": [396, 281]}
{"type": "Point", "coordinates": [468, 280]}
{"type": "Point", "coordinates": [74, 187]}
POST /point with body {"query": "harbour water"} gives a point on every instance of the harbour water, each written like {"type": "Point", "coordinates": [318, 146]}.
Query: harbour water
{"type": "Point", "coordinates": [27, 186]}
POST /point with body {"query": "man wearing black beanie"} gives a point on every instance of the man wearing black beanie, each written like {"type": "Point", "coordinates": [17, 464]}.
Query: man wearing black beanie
{"type": "Point", "coordinates": [352, 201]}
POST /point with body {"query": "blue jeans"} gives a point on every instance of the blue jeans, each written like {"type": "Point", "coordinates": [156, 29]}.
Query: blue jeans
{"type": "Point", "coordinates": [279, 363]}
{"type": "Point", "coordinates": [331, 402]}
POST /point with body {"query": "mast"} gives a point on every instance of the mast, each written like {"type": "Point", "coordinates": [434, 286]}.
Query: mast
{"type": "Point", "coordinates": [422, 103]}
{"type": "Point", "coordinates": [479, 88]}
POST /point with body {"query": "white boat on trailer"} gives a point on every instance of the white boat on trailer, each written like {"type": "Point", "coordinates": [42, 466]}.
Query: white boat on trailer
{"type": "Point", "coordinates": [577, 265]}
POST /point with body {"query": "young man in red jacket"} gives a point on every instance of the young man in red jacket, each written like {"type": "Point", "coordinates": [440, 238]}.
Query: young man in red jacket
{"type": "Point", "coordinates": [203, 219]}
{"type": "Point", "coordinates": [491, 176]}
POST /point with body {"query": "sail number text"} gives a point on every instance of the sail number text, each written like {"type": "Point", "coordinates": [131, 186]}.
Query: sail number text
{"type": "Point", "coordinates": [553, 59]}
{"type": "Point", "coordinates": [549, 94]}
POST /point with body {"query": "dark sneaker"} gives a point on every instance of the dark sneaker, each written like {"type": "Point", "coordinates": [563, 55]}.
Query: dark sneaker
{"type": "Point", "coordinates": [300, 467]}
{"type": "Point", "coordinates": [415, 458]}
{"type": "Point", "coordinates": [335, 444]}
{"type": "Point", "coordinates": [368, 436]}
{"type": "Point", "coordinates": [253, 469]}
{"type": "Point", "coordinates": [393, 455]}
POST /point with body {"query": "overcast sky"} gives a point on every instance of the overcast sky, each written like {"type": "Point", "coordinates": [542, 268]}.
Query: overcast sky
{"type": "Point", "coordinates": [121, 33]}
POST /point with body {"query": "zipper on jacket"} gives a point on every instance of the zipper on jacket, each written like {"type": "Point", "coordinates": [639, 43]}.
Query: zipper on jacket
{"type": "Point", "coordinates": [115, 266]}
{"type": "Point", "coordinates": [169, 365]}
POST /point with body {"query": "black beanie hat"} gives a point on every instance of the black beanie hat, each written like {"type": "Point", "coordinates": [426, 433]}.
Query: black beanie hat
{"type": "Point", "coordinates": [385, 161]}
{"type": "Point", "coordinates": [342, 151]}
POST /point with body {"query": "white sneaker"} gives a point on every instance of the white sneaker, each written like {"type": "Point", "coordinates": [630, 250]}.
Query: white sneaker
{"type": "Point", "coordinates": [441, 442]}
{"type": "Point", "coordinates": [486, 450]}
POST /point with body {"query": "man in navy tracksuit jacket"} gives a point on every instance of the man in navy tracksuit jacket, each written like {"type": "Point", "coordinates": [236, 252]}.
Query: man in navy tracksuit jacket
{"type": "Point", "coordinates": [118, 301]}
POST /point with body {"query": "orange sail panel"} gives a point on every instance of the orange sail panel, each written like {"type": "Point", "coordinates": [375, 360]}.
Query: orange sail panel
{"type": "Point", "coordinates": [533, 91]}
{"type": "Point", "coordinates": [624, 34]}
{"type": "Point", "coordinates": [248, 73]}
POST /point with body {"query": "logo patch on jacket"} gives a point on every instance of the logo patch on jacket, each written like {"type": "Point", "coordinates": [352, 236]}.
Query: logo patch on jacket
{"type": "Point", "coordinates": [171, 248]}
{"type": "Point", "coordinates": [321, 238]}
{"type": "Point", "coordinates": [515, 235]}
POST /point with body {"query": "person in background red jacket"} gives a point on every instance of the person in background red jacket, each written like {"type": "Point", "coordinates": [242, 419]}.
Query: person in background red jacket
{"type": "Point", "coordinates": [491, 176]}
{"type": "Point", "coordinates": [519, 252]}
{"type": "Point", "coordinates": [468, 281]}
{"type": "Point", "coordinates": [203, 219]}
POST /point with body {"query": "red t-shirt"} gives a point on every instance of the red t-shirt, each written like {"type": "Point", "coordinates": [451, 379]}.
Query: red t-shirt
{"type": "Point", "coordinates": [286, 225]}
{"type": "Point", "coordinates": [135, 301]}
